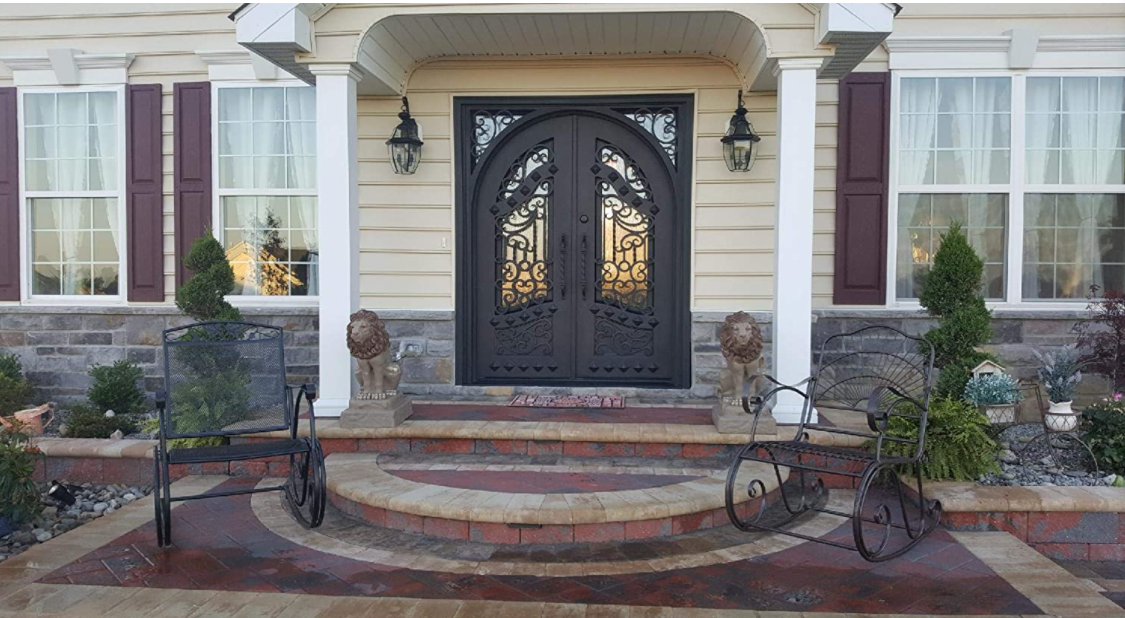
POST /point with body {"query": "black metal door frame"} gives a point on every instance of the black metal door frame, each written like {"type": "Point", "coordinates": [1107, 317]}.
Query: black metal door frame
{"type": "Point", "coordinates": [471, 157]}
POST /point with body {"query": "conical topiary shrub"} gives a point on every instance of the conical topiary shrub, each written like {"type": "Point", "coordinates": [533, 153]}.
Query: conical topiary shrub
{"type": "Point", "coordinates": [203, 297]}
{"type": "Point", "coordinates": [951, 293]}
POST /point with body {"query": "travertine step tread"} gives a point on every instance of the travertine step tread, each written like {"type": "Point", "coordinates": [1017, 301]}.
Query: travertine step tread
{"type": "Point", "coordinates": [360, 478]}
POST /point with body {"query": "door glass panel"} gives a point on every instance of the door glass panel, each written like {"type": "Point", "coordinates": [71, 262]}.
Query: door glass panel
{"type": "Point", "coordinates": [523, 232]}
{"type": "Point", "coordinates": [624, 259]}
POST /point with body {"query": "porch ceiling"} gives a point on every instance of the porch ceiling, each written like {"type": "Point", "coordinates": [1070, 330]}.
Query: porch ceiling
{"type": "Point", "coordinates": [391, 42]}
{"type": "Point", "coordinates": [396, 45]}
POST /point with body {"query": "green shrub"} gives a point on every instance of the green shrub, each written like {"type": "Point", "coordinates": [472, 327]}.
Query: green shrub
{"type": "Point", "coordinates": [1104, 427]}
{"type": "Point", "coordinates": [951, 293]}
{"type": "Point", "coordinates": [87, 421]}
{"type": "Point", "coordinates": [115, 388]}
{"type": "Point", "coordinates": [957, 446]}
{"type": "Point", "coordinates": [15, 390]}
{"type": "Point", "coordinates": [19, 498]}
{"type": "Point", "coordinates": [218, 388]}
{"type": "Point", "coordinates": [10, 367]}
{"type": "Point", "coordinates": [203, 297]}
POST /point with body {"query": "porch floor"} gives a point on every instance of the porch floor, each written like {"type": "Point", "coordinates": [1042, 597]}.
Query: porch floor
{"type": "Point", "coordinates": [244, 556]}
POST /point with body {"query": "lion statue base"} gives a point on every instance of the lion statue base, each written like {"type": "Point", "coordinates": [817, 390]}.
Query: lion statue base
{"type": "Point", "coordinates": [378, 403]}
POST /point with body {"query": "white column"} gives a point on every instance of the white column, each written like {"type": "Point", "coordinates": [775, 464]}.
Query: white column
{"type": "Point", "coordinates": [792, 297]}
{"type": "Point", "coordinates": [337, 181]}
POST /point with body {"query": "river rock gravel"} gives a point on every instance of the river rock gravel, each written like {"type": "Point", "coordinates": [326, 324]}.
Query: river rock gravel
{"type": "Point", "coordinates": [1028, 460]}
{"type": "Point", "coordinates": [54, 519]}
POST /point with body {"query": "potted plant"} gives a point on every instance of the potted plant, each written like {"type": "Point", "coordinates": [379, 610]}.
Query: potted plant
{"type": "Point", "coordinates": [997, 394]}
{"type": "Point", "coordinates": [1060, 375]}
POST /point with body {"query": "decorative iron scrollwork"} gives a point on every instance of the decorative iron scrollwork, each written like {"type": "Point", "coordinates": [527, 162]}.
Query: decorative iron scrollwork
{"type": "Point", "coordinates": [487, 126]}
{"type": "Point", "coordinates": [531, 338]}
{"type": "Point", "coordinates": [523, 253]}
{"type": "Point", "coordinates": [626, 230]}
{"type": "Point", "coordinates": [661, 123]}
{"type": "Point", "coordinates": [617, 339]}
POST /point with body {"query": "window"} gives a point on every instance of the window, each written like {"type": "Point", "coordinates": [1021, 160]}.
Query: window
{"type": "Point", "coordinates": [267, 188]}
{"type": "Point", "coordinates": [1075, 130]}
{"type": "Point", "coordinates": [71, 181]}
{"type": "Point", "coordinates": [954, 150]}
{"type": "Point", "coordinates": [1033, 166]}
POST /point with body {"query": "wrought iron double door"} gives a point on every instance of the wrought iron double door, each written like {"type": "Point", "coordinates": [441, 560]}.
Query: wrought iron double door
{"type": "Point", "coordinates": [575, 269]}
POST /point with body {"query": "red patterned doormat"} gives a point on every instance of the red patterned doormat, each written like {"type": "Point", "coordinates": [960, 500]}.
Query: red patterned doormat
{"type": "Point", "coordinates": [567, 401]}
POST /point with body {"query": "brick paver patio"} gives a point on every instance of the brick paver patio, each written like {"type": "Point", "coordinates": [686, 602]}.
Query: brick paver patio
{"type": "Point", "coordinates": [236, 557]}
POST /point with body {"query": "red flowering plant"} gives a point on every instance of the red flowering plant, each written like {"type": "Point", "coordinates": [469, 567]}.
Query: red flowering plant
{"type": "Point", "coordinates": [1101, 337]}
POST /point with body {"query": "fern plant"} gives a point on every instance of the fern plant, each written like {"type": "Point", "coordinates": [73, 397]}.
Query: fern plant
{"type": "Point", "coordinates": [19, 499]}
{"type": "Point", "coordinates": [957, 447]}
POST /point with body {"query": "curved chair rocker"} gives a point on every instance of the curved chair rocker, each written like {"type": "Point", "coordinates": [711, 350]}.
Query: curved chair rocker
{"type": "Point", "coordinates": [883, 374]}
{"type": "Point", "coordinates": [226, 379]}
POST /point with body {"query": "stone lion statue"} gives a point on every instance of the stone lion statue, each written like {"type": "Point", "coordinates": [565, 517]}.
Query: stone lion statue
{"type": "Point", "coordinates": [369, 343]}
{"type": "Point", "coordinates": [740, 340]}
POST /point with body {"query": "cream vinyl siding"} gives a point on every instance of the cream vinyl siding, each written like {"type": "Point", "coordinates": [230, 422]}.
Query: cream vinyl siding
{"type": "Point", "coordinates": [163, 38]}
{"type": "Point", "coordinates": [407, 237]}
{"type": "Point", "coordinates": [993, 19]}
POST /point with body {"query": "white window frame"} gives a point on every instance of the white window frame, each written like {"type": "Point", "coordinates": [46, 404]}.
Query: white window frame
{"type": "Point", "coordinates": [1015, 190]}
{"type": "Point", "coordinates": [217, 227]}
{"type": "Point", "coordinates": [119, 194]}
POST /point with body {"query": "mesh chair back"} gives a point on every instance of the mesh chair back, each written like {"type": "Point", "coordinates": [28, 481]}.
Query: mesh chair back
{"type": "Point", "coordinates": [224, 378]}
{"type": "Point", "coordinates": [854, 365]}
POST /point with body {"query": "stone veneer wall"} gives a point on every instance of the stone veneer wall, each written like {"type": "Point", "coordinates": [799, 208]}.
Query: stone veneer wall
{"type": "Point", "coordinates": [58, 345]}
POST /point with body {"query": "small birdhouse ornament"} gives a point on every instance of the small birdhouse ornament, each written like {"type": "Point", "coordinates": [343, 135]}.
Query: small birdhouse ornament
{"type": "Point", "coordinates": [987, 368]}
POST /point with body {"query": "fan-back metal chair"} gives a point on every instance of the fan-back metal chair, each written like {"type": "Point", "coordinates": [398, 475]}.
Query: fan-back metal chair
{"type": "Point", "coordinates": [878, 372]}
{"type": "Point", "coordinates": [226, 379]}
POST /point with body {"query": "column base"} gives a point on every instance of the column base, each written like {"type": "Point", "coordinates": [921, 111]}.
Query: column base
{"type": "Point", "coordinates": [790, 414]}
{"type": "Point", "coordinates": [330, 408]}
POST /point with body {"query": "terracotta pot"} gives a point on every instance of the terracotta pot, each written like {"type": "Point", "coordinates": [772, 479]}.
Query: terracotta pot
{"type": "Point", "coordinates": [1061, 417]}
{"type": "Point", "coordinates": [1001, 414]}
{"type": "Point", "coordinates": [32, 419]}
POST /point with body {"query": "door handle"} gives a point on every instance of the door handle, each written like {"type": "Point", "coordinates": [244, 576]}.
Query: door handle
{"type": "Point", "coordinates": [582, 266]}
{"type": "Point", "coordinates": [562, 265]}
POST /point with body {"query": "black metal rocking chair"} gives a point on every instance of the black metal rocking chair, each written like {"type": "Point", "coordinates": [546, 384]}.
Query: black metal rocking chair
{"type": "Point", "coordinates": [884, 374]}
{"type": "Point", "coordinates": [225, 379]}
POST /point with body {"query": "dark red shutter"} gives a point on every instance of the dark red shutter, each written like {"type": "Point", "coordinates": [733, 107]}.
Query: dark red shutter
{"type": "Point", "coordinates": [191, 111]}
{"type": "Point", "coordinates": [143, 198]}
{"type": "Point", "coordinates": [861, 190]}
{"type": "Point", "coordinates": [9, 197]}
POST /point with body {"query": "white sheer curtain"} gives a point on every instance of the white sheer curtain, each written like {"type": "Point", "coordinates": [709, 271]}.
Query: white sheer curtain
{"type": "Point", "coordinates": [1079, 129]}
{"type": "Point", "coordinates": [1042, 130]}
{"type": "Point", "coordinates": [992, 130]}
{"type": "Point", "coordinates": [916, 132]}
{"type": "Point", "coordinates": [304, 217]}
{"type": "Point", "coordinates": [1111, 131]}
{"type": "Point", "coordinates": [74, 224]}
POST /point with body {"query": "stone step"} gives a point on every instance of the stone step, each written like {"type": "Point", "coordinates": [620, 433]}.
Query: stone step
{"type": "Point", "coordinates": [483, 429]}
{"type": "Point", "coordinates": [513, 499]}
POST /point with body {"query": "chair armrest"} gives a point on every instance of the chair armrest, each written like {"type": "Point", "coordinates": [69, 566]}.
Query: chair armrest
{"type": "Point", "coordinates": [307, 391]}
{"type": "Point", "coordinates": [161, 408]}
{"type": "Point", "coordinates": [762, 400]}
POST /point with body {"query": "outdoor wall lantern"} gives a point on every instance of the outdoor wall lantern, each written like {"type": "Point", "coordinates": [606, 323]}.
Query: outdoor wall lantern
{"type": "Point", "coordinates": [405, 144]}
{"type": "Point", "coordinates": [738, 143]}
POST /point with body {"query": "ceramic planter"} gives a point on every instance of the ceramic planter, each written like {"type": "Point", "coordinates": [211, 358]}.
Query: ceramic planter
{"type": "Point", "coordinates": [1061, 417]}
{"type": "Point", "coordinates": [1001, 414]}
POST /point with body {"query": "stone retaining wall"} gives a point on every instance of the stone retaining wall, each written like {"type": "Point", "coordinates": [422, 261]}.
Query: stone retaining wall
{"type": "Point", "coordinates": [58, 345]}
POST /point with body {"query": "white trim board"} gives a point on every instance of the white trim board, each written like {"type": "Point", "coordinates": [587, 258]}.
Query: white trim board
{"type": "Point", "coordinates": [1020, 48]}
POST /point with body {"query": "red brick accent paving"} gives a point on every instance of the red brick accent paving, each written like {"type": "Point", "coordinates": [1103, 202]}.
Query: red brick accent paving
{"type": "Point", "coordinates": [445, 528]}
{"type": "Point", "coordinates": [550, 534]}
{"type": "Point", "coordinates": [405, 522]}
{"type": "Point", "coordinates": [599, 533]}
{"type": "Point", "coordinates": [648, 528]}
{"type": "Point", "coordinates": [220, 545]}
{"type": "Point", "coordinates": [544, 447]}
{"type": "Point", "coordinates": [421, 445]}
{"type": "Point", "coordinates": [599, 449]}
{"type": "Point", "coordinates": [1061, 535]}
{"type": "Point", "coordinates": [499, 534]}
